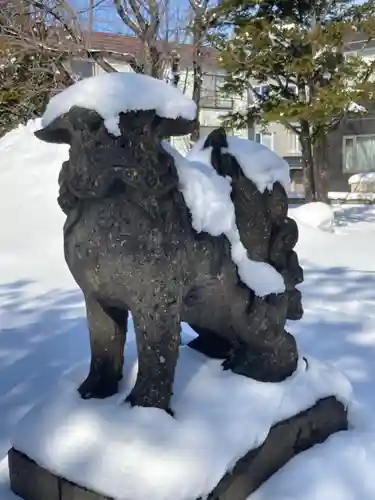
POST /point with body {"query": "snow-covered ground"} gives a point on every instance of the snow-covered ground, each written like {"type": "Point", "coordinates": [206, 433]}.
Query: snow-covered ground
{"type": "Point", "coordinates": [43, 331]}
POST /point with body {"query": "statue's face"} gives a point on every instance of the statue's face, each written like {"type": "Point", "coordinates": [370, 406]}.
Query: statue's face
{"type": "Point", "coordinates": [98, 160]}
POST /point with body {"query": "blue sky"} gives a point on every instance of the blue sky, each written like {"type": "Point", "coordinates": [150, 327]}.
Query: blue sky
{"type": "Point", "coordinates": [106, 18]}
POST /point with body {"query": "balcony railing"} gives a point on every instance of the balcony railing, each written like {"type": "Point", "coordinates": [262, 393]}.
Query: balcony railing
{"type": "Point", "coordinates": [216, 101]}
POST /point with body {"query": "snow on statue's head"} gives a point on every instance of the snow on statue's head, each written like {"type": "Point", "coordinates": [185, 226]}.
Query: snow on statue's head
{"type": "Point", "coordinates": [138, 124]}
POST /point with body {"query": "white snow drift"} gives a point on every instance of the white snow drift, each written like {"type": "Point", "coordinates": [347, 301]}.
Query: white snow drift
{"type": "Point", "coordinates": [362, 178]}
{"type": "Point", "coordinates": [317, 215]}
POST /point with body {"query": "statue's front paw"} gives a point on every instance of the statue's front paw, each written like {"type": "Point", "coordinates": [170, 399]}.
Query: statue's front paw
{"type": "Point", "coordinates": [138, 397]}
{"type": "Point", "coordinates": [98, 387]}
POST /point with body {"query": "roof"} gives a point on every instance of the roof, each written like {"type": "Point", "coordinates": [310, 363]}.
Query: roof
{"type": "Point", "coordinates": [133, 45]}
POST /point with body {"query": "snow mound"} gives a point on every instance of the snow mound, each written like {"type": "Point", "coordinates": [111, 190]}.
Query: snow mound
{"type": "Point", "coordinates": [13, 143]}
{"type": "Point", "coordinates": [207, 195]}
{"type": "Point", "coordinates": [137, 453]}
{"type": "Point", "coordinates": [259, 164]}
{"type": "Point", "coordinates": [343, 469]}
{"type": "Point", "coordinates": [362, 178]}
{"type": "Point", "coordinates": [110, 94]}
{"type": "Point", "coordinates": [354, 107]}
{"type": "Point", "coordinates": [29, 172]}
{"type": "Point", "coordinates": [317, 215]}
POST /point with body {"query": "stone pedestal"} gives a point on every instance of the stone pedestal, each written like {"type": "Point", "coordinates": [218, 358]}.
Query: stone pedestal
{"type": "Point", "coordinates": [285, 440]}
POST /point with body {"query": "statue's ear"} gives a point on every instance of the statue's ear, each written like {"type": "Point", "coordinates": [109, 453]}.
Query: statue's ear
{"type": "Point", "coordinates": [217, 139]}
{"type": "Point", "coordinates": [57, 132]}
{"type": "Point", "coordinates": [62, 128]}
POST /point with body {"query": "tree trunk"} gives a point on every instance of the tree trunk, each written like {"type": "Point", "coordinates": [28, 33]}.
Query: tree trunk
{"type": "Point", "coordinates": [155, 62]}
{"type": "Point", "coordinates": [307, 163]}
{"type": "Point", "coordinates": [321, 170]}
{"type": "Point", "coordinates": [197, 90]}
{"type": "Point", "coordinates": [198, 32]}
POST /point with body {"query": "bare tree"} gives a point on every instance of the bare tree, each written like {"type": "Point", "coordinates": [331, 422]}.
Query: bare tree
{"type": "Point", "coordinates": [38, 41]}
{"type": "Point", "coordinates": [63, 35]}
{"type": "Point", "coordinates": [160, 27]}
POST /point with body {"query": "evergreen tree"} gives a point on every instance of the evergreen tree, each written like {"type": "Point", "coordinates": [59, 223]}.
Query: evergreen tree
{"type": "Point", "coordinates": [297, 47]}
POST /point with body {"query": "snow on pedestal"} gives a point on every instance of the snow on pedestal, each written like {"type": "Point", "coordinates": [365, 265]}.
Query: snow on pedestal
{"type": "Point", "coordinates": [139, 453]}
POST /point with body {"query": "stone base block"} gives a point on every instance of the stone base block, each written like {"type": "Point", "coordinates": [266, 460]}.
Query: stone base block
{"type": "Point", "coordinates": [285, 440]}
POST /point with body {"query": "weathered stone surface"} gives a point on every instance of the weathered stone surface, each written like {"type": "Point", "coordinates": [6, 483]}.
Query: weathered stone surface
{"type": "Point", "coordinates": [285, 440]}
{"type": "Point", "coordinates": [30, 481]}
{"type": "Point", "coordinates": [130, 246]}
{"type": "Point", "coordinates": [70, 491]}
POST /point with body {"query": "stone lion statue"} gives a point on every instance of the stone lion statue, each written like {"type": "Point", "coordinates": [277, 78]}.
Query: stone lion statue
{"type": "Point", "coordinates": [130, 246]}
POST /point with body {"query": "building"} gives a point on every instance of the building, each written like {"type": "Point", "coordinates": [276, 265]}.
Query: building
{"type": "Point", "coordinates": [352, 146]}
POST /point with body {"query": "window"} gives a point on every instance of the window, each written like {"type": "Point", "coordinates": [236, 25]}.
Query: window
{"type": "Point", "coordinates": [265, 138]}
{"type": "Point", "coordinates": [294, 145]}
{"type": "Point", "coordinates": [368, 53]}
{"type": "Point", "coordinates": [81, 68]}
{"type": "Point", "coordinates": [259, 92]}
{"type": "Point", "coordinates": [359, 154]}
{"type": "Point", "coordinates": [262, 90]}
{"type": "Point", "coordinates": [212, 94]}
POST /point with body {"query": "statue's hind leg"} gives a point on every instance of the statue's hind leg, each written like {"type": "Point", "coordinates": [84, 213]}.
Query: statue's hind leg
{"type": "Point", "coordinates": [108, 326]}
{"type": "Point", "coordinates": [265, 352]}
{"type": "Point", "coordinates": [210, 344]}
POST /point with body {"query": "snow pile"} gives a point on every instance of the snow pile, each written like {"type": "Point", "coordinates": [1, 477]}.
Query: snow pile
{"type": "Point", "coordinates": [110, 94]}
{"type": "Point", "coordinates": [259, 164]}
{"type": "Point", "coordinates": [137, 453]}
{"type": "Point", "coordinates": [317, 214]}
{"type": "Point", "coordinates": [207, 195]}
{"type": "Point", "coordinates": [354, 107]}
{"type": "Point", "coordinates": [362, 178]}
{"type": "Point", "coordinates": [29, 181]}
{"type": "Point", "coordinates": [341, 469]}
{"type": "Point", "coordinates": [356, 196]}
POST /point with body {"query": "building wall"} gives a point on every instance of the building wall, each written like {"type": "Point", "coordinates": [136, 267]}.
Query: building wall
{"type": "Point", "coordinates": [283, 141]}
{"type": "Point", "coordinates": [352, 126]}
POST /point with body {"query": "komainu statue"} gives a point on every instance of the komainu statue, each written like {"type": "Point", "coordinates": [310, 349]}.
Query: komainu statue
{"type": "Point", "coordinates": [131, 247]}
